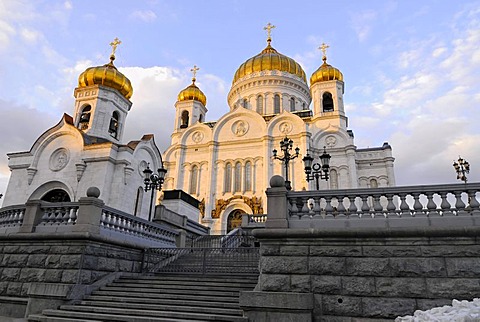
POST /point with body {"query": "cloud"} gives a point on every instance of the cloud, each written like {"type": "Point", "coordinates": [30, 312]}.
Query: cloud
{"type": "Point", "coordinates": [362, 22]}
{"type": "Point", "coordinates": [144, 15]}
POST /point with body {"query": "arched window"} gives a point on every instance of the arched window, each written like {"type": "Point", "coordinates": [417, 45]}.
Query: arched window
{"type": "Point", "coordinates": [303, 106]}
{"type": "Point", "coordinates": [292, 104]}
{"type": "Point", "coordinates": [333, 179]}
{"type": "Point", "coordinates": [276, 104]}
{"type": "Point", "coordinates": [56, 195]}
{"type": "Point", "coordinates": [234, 220]}
{"type": "Point", "coordinates": [327, 102]}
{"type": "Point", "coordinates": [113, 128]}
{"type": "Point", "coordinates": [228, 178]}
{"type": "Point", "coordinates": [260, 104]}
{"type": "Point", "coordinates": [238, 177]}
{"type": "Point", "coordinates": [245, 103]}
{"type": "Point", "coordinates": [85, 118]}
{"type": "Point", "coordinates": [373, 183]}
{"type": "Point", "coordinates": [200, 118]}
{"type": "Point", "coordinates": [248, 176]}
{"type": "Point", "coordinates": [194, 180]}
{"type": "Point", "coordinates": [138, 202]}
{"type": "Point", "coordinates": [184, 120]}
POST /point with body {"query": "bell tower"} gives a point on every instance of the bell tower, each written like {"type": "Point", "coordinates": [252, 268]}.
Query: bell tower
{"type": "Point", "coordinates": [102, 100]}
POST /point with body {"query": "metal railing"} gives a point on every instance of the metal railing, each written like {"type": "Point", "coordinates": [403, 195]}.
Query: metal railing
{"type": "Point", "coordinates": [236, 238]}
{"type": "Point", "coordinates": [202, 261]}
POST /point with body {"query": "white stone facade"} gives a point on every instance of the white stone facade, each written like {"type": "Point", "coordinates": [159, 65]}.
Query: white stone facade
{"type": "Point", "coordinates": [227, 164]}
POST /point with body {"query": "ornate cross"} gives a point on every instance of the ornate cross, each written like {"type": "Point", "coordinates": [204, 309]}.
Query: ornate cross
{"type": "Point", "coordinates": [269, 28]}
{"type": "Point", "coordinates": [323, 48]}
{"type": "Point", "coordinates": [114, 45]}
{"type": "Point", "coordinates": [194, 71]}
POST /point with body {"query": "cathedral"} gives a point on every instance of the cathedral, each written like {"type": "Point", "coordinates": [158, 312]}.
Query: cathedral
{"type": "Point", "coordinates": [227, 164]}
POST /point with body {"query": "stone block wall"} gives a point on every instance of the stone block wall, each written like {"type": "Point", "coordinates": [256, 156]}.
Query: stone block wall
{"type": "Point", "coordinates": [71, 261]}
{"type": "Point", "coordinates": [371, 275]}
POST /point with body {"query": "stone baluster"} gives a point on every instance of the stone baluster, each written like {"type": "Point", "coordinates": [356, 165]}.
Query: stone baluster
{"type": "Point", "coordinates": [431, 205]}
{"type": "Point", "coordinates": [317, 210]}
{"type": "Point", "coordinates": [328, 207]}
{"type": "Point", "coordinates": [365, 207]}
{"type": "Point", "coordinates": [391, 209]}
{"type": "Point", "coordinates": [341, 207]}
{"type": "Point", "coordinates": [305, 208]}
{"type": "Point", "coordinates": [377, 206]}
{"type": "Point", "coordinates": [404, 207]}
{"type": "Point", "coordinates": [417, 205]}
{"type": "Point", "coordinates": [445, 205]}
{"type": "Point", "coordinates": [459, 204]}
{"type": "Point", "coordinates": [473, 203]}
{"type": "Point", "coordinates": [352, 209]}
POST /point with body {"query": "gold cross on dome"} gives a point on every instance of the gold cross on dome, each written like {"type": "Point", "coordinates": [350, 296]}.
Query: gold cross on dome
{"type": "Point", "coordinates": [114, 45]}
{"type": "Point", "coordinates": [269, 28]}
{"type": "Point", "coordinates": [323, 48]}
{"type": "Point", "coordinates": [194, 71]}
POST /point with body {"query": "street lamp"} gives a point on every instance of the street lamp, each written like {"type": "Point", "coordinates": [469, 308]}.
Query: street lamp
{"type": "Point", "coordinates": [153, 181]}
{"type": "Point", "coordinates": [315, 170]}
{"type": "Point", "coordinates": [462, 167]}
{"type": "Point", "coordinates": [286, 146]}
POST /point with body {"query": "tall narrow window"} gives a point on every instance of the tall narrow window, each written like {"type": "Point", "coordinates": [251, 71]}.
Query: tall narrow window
{"type": "Point", "coordinates": [113, 128]}
{"type": "Point", "coordinates": [333, 179]}
{"type": "Point", "coordinates": [194, 180]}
{"type": "Point", "coordinates": [248, 176]}
{"type": "Point", "coordinates": [304, 106]}
{"type": "Point", "coordinates": [138, 202]}
{"type": "Point", "coordinates": [184, 120]}
{"type": "Point", "coordinates": [200, 118]}
{"type": "Point", "coordinates": [245, 103]}
{"type": "Point", "coordinates": [228, 178]}
{"type": "Point", "coordinates": [260, 104]}
{"type": "Point", "coordinates": [276, 104]}
{"type": "Point", "coordinates": [238, 177]}
{"type": "Point", "coordinates": [373, 183]}
{"type": "Point", "coordinates": [85, 118]}
{"type": "Point", "coordinates": [327, 102]}
{"type": "Point", "coordinates": [292, 104]}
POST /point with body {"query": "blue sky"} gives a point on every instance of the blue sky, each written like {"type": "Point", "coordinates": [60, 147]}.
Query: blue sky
{"type": "Point", "coordinates": [411, 68]}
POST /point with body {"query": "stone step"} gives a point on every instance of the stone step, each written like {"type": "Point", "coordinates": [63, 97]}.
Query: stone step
{"type": "Point", "coordinates": [151, 313]}
{"type": "Point", "coordinates": [203, 287]}
{"type": "Point", "coordinates": [53, 315]}
{"type": "Point", "coordinates": [187, 307]}
{"type": "Point", "coordinates": [160, 301]}
{"type": "Point", "coordinates": [163, 290]}
{"type": "Point", "coordinates": [183, 297]}
{"type": "Point", "coordinates": [211, 278]}
{"type": "Point", "coordinates": [186, 283]}
{"type": "Point", "coordinates": [42, 318]}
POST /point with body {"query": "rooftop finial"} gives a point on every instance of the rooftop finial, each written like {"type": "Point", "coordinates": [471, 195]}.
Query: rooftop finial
{"type": "Point", "coordinates": [114, 45]}
{"type": "Point", "coordinates": [194, 72]}
{"type": "Point", "coordinates": [323, 48]}
{"type": "Point", "coordinates": [269, 28]}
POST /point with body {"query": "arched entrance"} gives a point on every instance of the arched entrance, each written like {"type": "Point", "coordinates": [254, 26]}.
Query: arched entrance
{"type": "Point", "coordinates": [234, 219]}
{"type": "Point", "coordinates": [56, 195]}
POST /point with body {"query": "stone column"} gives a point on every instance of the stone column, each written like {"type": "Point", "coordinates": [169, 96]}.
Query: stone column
{"type": "Point", "coordinates": [89, 212]}
{"type": "Point", "coordinates": [32, 217]}
{"type": "Point", "coordinates": [277, 209]}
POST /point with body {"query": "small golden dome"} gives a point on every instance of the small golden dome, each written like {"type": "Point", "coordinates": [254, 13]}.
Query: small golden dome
{"type": "Point", "coordinates": [106, 75]}
{"type": "Point", "coordinates": [269, 59]}
{"type": "Point", "coordinates": [325, 73]}
{"type": "Point", "coordinates": [192, 92]}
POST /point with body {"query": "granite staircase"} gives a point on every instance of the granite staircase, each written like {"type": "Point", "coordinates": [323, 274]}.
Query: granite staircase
{"type": "Point", "coordinates": [200, 284]}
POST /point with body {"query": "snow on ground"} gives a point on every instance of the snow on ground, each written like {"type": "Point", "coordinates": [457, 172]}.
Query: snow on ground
{"type": "Point", "coordinates": [460, 311]}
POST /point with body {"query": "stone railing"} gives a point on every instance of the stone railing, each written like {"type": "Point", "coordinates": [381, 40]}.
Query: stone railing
{"type": "Point", "coordinates": [11, 217]}
{"type": "Point", "coordinates": [390, 206]}
{"type": "Point", "coordinates": [64, 213]}
{"type": "Point", "coordinates": [115, 220]}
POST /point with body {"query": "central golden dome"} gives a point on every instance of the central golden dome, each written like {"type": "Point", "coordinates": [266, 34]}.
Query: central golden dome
{"type": "Point", "coordinates": [106, 75]}
{"type": "Point", "coordinates": [269, 59]}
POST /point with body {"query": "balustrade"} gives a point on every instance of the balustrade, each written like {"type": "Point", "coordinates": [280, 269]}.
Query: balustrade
{"type": "Point", "coordinates": [59, 214]}
{"type": "Point", "coordinates": [12, 216]}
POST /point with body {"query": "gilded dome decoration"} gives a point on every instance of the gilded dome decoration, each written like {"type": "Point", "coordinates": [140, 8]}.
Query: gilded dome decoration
{"type": "Point", "coordinates": [192, 92]}
{"type": "Point", "coordinates": [269, 59]}
{"type": "Point", "coordinates": [325, 72]}
{"type": "Point", "coordinates": [107, 75]}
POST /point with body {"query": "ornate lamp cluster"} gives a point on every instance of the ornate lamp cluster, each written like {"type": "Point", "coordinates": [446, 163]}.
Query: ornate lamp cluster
{"type": "Point", "coordinates": [462, 167]}
{"type": "Point", "coordinates": [153, 181]}
{"type": "Point", "coordinates": [286, 146]}
{"type": "Point", "coordinates": [312, 170]}
{"type": "Point", "coordinates": [317, 171]}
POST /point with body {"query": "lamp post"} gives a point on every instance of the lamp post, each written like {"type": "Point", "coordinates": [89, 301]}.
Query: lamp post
{"type": "Point", "coordinates": [462, 167]}
{"type": "Point", "coordinates": [153, 181]}
{"type": "Point", "coordinates": [315, 170]}
{"type": "Point", "coordinates": [286, 146]}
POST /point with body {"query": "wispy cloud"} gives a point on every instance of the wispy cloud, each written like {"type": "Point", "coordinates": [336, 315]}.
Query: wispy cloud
{"type": "Point", "coordinates": [144, 15]}
{"type": "Point", "coordinates": [362, 22]}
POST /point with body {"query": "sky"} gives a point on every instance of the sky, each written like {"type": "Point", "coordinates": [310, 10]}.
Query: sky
{"type": "Point", "coordinates": [411, 68]}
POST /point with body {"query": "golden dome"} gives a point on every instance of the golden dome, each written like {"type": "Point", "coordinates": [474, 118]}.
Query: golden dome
{"type": "Point", "coordinates": [269, 59]}
{"type": "Point", "coordinates": [325, 73]}
{"type": "Point", "coordinates": [106, 75]}
{"type": "Point", "coordinates": [192, 92]}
